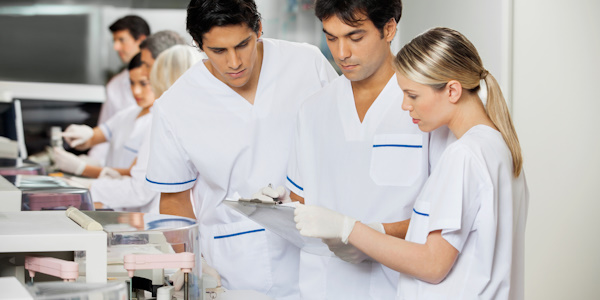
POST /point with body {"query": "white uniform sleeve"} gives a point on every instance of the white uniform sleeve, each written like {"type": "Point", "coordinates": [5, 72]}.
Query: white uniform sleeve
{"type": "Point", "coordinates": [127, 191]}
{"type": "Point", "coordinates": [110, 125]}
{"type": "Point", "coordinates": [326, 71]}
{"type": "Point", "coordinates": [454, 190]}
{"type": "Point", "coordinates": [169, 167]}
{"type": "Point", "coordinates": [294, 179]}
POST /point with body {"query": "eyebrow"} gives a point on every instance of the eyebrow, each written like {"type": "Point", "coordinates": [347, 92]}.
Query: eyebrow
{"type": "Point", "coordinates": [347, 34]}
{"type": "Point", "coordinates": [240, 43]}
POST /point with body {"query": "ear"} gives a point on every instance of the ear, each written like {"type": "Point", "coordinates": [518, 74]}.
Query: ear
{"type": "Point", "coordinates": [260, 30]}
{"type": "Point", "coordinates": [141, 38]}
{"type": "Point", "coordinates": [454, 91]}
{"type": "Point", "coordinates": [389, 30]}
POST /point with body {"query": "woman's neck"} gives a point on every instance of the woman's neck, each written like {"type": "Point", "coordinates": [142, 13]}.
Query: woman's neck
{"type": "Point", "coordinates": [469, 113]}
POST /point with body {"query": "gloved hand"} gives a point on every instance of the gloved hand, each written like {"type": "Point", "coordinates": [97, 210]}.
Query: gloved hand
{"type": "Point", "coordinates": [77, 135]}
{"type": "Point", "coordinates": [320, 222]}
{"type": "Point", "coordinates": [348, 252]}
{"type": "Point", "coordinates": [83, 182]}
{"type": "Point", "coordinates": [206, 269]}
{"type": "Point", "coordinates": [67, 161]}
{"type": "Point", "coordinates": [269, 194]}
{"type": "Point", "coordinates": [109, 173]}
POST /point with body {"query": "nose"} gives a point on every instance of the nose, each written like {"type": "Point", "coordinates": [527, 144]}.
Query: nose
{"type": "Point", "coordinates": [234, 62]}
{"type": "Point", "coordinates": [343, 50]}
{"type": "Point", "coordinates": [405, 105]}
{"type": "Point", "coordinates": [116, 46]}
{"type": "Point", "coordinates": [136, 90]}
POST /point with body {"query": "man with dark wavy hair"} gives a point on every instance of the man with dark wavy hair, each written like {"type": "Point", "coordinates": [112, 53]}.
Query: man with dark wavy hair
{"type": "Point", "coordinates": [225, 129]}
{"type": "Point", "coordinates": [356, 151]}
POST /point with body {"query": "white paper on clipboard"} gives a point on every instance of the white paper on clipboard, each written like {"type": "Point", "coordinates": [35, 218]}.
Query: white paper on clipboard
{"type": "Point", "coordinates": [280, 220]}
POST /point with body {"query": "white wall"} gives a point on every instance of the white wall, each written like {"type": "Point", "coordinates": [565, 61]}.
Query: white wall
{"type": "Point", "coordinates": [556, 104]}
{"type": "Point", "coordinates": [487, 24]}
{"type": "Point", "coordinates": [553, 61]}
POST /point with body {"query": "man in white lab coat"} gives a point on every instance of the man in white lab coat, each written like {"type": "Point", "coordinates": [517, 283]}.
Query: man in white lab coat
{"type": "Point", "coordinates": [356, 151]}
{"type": "Point", "coordinates": [128, 33]}
{"type": "Point", "coordinates": [226, 127]}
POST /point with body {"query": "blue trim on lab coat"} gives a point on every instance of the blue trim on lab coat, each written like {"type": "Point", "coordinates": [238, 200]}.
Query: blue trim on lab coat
{"type": "Point", "coordinates": [239, 233]}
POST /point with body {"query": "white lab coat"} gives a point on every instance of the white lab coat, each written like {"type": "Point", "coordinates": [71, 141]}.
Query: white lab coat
{"type": "Point", "coordinates": [481, 209]}
{"type": "Point", "coordinates": [371, 171]}
{"type": "Point", "coordinates": [125, 132]}
{"type": "Point", "coordinates": [204, 133]}
{"type": "Point", "coordinates": [129, 193]}
{"type": "Point", "coordinates": [118, 97]}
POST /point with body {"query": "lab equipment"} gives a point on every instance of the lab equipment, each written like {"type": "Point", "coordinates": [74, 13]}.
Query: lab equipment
{"type": "Point", "coordinates": [15, 166]}
{"type": "Point", "coordinates": [56, 139]}
{"type": "Point", "coordinates": [184, 261]}
{"type": "Point", "coordinates": [78, 291]}
{"type": "Point", "coordinates": [82, 219]}
{"type": "Point", "coordinates": [65, 270]}
{"type": "Point", "coordinates": [50, 193]}
{"type": "Point", "coordinates": [53, 231]}
{"type": "Point", "coordinates": [10, 196]}
{"type": "Point", "coordinates": [148, 234]}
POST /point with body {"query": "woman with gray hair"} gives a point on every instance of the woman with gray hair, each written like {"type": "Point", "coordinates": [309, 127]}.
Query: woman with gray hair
{"type": "Point", "coordinates": [466, 234]}
{"type": "Point", "coordinates": [129, 192]}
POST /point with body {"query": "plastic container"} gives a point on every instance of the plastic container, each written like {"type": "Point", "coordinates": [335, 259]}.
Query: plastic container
{"type": "Point", "coordinates": [78, 291]}
{"type": "Point", "coordinates": [17, 166]}
{"type": "Point", "coordinates": [142, 233]}
{"type": "Point", "coordinates": [50, 193]}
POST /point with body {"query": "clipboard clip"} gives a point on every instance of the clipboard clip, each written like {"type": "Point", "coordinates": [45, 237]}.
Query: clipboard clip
{"type": "Point", "coordinates": [254, 200]}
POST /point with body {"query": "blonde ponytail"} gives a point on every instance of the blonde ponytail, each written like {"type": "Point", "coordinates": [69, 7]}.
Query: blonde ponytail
{"type": "Point", "coordinates": [443, 54]}
{"type": "Point", "coordinates": [497, 110]}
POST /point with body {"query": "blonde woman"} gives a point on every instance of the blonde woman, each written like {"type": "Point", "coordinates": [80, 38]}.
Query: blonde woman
{"type": "Point", "coordinates": [130, 192]}
{"type": "Point", "coordinates": [466, 234]}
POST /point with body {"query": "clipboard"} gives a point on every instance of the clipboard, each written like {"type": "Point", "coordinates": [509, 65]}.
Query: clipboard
{"type": "Point", "coordinates": [279, 219]}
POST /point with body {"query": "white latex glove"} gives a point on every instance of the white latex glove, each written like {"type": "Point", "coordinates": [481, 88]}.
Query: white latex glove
{"type": "Point", "coordinates": [320, 222]}
{"type": "Point", "coordinates": [348, 252]}
{"type": "Point", "coordinates": [270, 194]}
{"type": "Point", "coordinates": [109, 173]}
{"type": "Point", "coordinates": [76, 135]}
{"type": "Point", "coordinates": [208, 270]}
{"type": "Point", "coordinates": [68, 161]}
{"type": "Point", "coordinates": [83, 182]}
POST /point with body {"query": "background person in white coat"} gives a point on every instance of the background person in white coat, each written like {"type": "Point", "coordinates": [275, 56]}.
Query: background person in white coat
{"type": "Point", "coordinates": [466, 235]}
{"type": "Point", "coordinates": [226, 126]}
{"type": "Point", "coordinates": [130, 192]}
{"type": "Point", "coordinates": [128, 33]}
{"type": "Point", "coordinates": [155, 44]}
{"type": "Point", "coordinates": [124, 132]}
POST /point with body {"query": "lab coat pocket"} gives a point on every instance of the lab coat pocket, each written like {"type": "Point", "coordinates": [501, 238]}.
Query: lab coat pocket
{"type": "Point", "coordinates": [418, 230]}
{"type": "Point", "coordinates": [396, 159]}
{"type": "Point", "coordinates": [241, 256]}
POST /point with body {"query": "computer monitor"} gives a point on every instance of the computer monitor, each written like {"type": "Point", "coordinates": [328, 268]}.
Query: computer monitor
{"type": "Point", "coordinates": [11, 124]}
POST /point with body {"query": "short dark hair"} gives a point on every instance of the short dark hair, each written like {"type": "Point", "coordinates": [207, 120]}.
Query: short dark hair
{"type": "Point", "coordinates": [135, 62]}
{"type": "Point", "coordinates": [134, 24]}
{"type": "Point", "coordinates": [161, 41]}
{"type": "Point", "coordinates": [378, 11]}
{"type": "Point", "coordinates": [203, 15]}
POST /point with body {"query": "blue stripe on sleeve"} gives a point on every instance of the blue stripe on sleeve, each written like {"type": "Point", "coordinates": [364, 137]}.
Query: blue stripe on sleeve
{"type": "Point", "coordinates": [420, 213]}
{"type": "Point", "coordinates": [395, 145]}
{"type": "Point", "coordinates": [130, 149]}
{"type": "Point", "coordinates": [168, 183]}
{"type": "Point", "coordinates": [292, 182]}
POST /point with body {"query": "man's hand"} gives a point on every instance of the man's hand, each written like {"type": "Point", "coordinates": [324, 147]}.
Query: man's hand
{"type": "Point", "coordinates": [268, 194]}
